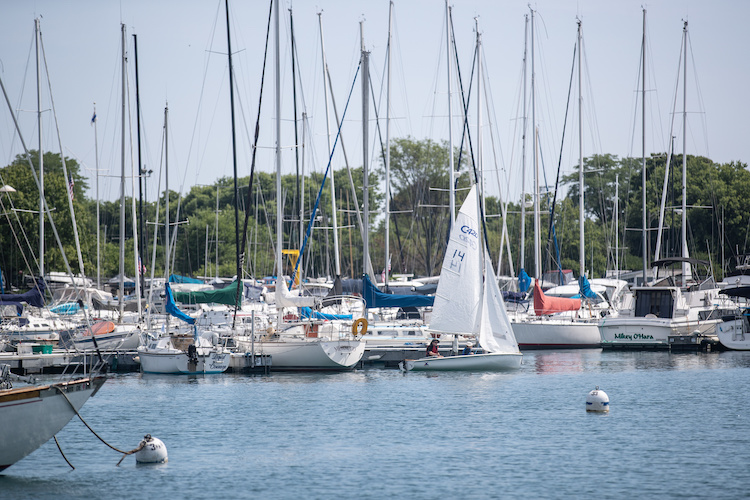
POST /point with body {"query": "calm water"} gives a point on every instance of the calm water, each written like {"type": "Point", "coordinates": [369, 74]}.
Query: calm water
{"type": "Point", "coordinates": [678, 428]}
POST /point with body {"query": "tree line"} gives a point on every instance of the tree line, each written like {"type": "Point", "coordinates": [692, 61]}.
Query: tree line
{"type": "Point", "coordinates": [718, 197]}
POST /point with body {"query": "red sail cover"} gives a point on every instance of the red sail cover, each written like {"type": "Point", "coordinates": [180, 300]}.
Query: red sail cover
{"type": "Point", "coordinates": [551, 305]}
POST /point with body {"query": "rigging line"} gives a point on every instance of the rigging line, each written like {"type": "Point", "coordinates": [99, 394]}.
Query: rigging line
{"type": "Point", "coordinates": [255, 143]}
{"type": "Point", "coordinates": [323, 183]}
{"type": "Point", "coordinates": [202, 91]}
{"type": "Point", "coordinates": [464, 102]}
{"type": "Point", "coordinates": [64, 167]}
{"type": "Point", "coordinates": [390, 200]}
{"type": "Point", "coordinates": [23, 87]}
{"type": "Point", "coordinates": [559, 161]}
{"type": "Point", "coordinates": [36, 180]}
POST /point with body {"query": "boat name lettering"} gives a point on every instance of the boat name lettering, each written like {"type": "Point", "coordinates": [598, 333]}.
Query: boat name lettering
{"type": "Point", "coordinates": [636, 336]}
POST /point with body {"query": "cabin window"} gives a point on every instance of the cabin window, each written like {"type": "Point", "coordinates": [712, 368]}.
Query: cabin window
{"type": "Point", "coordinates": [657, 302]}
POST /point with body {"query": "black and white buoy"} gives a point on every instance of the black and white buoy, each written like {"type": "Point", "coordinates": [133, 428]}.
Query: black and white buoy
{"type": "Point", "coordinates": [152, 451]}
{"type": "Point", "coordinates": [597, 401]}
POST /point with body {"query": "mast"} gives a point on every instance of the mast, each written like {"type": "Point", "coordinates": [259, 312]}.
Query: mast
{"type": "Point", "coordinates": [279, 211]}
{"type": "Point", "coordinates": [98, 231]}
{"type": "Point", "coordinates": [365, 134]}
{"type": "Point", "coordinates": [480, 180]}
{"type": "Point", "coordinates": [581, 253]}
{"type": "Point", "coordinates": [296, 133]}
{"type": "Point", "coordinates": [166, 193]}
{"type": "Point", "coordinates": [644, 249]}
{"type": "Point", "coordinates": [121, 294]}
{"type": "Point", "coordinates": [523, 152]}
{"type": "Point", "coordinates": [234, 164]}
{"type": "Point", "coordinates": [387, 255]}
{"type": "Point", "coordinates": [37, 37]}
{"type": "Point", "coordinates": [537, 229]}
{"type": "Point", "coordinates": [140, 260]}
{"type": "Point", "coordinates": [337, 257]}
{"type": "Point", "coordinates": [685, 253]}
{"type": "Point", "coordinates": [216, 237]}
{"type": "Point", "coordinates": [452, 192]}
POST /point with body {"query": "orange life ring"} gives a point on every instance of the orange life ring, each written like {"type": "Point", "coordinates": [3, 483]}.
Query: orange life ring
{"type": "Point", "coordinates": [356, 327]}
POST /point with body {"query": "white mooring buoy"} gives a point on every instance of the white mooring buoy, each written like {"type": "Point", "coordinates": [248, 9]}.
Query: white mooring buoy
{"type": "Point", "coordinates": [153, 451]}
{"type": "Point", "coordinates": [597, 401]}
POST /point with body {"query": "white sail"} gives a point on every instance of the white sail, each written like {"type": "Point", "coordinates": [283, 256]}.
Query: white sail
{"type": "Point", "coordinates": [285, 298]}
{"type": "Point", "coordinates": [458, 296]}
{"type": "Point", "coordinates": [495, 332]}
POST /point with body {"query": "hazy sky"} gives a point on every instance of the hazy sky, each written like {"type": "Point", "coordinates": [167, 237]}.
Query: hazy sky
{"type": "Point", "coordinates": [182, 63]}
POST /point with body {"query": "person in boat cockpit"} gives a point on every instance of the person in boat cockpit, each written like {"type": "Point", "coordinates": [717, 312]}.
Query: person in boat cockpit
{"type": "Point", "coordinates": [432, 349]}
{"type": "Point", "coordinates": [467, 349]}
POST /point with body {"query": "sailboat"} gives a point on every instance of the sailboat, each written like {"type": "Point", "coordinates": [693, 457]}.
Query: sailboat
{"type": "Point", "coordinates": [468, 302]}
{"type": "Point", "coordinates": [180, 354]}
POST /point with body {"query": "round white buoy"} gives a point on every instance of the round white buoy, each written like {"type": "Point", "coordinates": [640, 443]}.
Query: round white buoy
{"type": "Point", "coordinates": [153, 451]}
{"type": "Point", "coordinates": [597, 401]}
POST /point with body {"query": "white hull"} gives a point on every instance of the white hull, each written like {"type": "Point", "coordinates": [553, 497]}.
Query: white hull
{"type": "Point", "coordinates": [732, 336]}
{"type": "Point", "coordinates": [117, 340]}
{"type": "Point", "coordinates": [32, 415]}
{"type": "Point", "coordinates": [173, 363]}
{"type": "Point", "coordinates": [310, 354]}
{"type": "Point", "coordinates": [540, 333]}
{"type": "Point", "coordinates": [470, 362]}
{"type": "Point", "coordinates": [649, 332]}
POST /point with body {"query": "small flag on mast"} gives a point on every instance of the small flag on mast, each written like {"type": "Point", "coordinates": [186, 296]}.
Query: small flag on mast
{"type": "Point", "coordinates": [93, 118]}
{"type": "Point", "coordinates": [71, 183]}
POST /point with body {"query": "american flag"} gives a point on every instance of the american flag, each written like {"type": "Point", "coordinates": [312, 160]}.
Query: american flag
{"type": "Point", "coordinates": [71, 183]}
{"type": "Point", "coordinates": [142, 268]}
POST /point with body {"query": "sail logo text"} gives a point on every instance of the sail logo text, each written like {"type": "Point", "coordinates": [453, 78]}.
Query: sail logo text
{"type": "Point", "coordinates": [469, 231]}
{"type": "Point", "coordinates": [635, 336]}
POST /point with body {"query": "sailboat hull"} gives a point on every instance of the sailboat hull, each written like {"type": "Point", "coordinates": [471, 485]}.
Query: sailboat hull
{"type": "Point", "coordinates": [471, 362]}
{"type": "Point", "coordinates": [32, 415]}
{"type": "Point", "coordinates": [733, 334]}
{"type": "Point", "coordinates": [180, 364]}
{"type": "Point", "coordinates": [546, 333]}
{"type": "Point", "coordinates": [312, 355]}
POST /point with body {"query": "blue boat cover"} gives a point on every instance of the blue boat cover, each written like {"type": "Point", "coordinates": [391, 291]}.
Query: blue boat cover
{"type": "Point", "coordinates": [585, 288]}
{"type": "Point", "coordinates": [375, 298]}
{"type": "Point", "coordinates": [172, 307]}
{"type": "Point", "coordinates": [34, 297]}
{"type": "Point", "coordinates": [307, 312]}
{"type": "Point", "coordinates": [176, 278]}
{"type": "Point", "coordinates": [66, 309]}
{"type": "Point", "coordinates": [524, 281]}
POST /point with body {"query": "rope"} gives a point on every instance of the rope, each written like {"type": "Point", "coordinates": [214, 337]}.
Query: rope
{"type": "Point", "coordinates": [136, 450]}
{"type": "Point", "coordinates": [124, 453]}
{"type": "Point", "coordinates": [63, 454]}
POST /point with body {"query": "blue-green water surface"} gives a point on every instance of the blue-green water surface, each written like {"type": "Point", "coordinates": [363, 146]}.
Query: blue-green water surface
{"type": "Point", "coordinates": [678, 428]}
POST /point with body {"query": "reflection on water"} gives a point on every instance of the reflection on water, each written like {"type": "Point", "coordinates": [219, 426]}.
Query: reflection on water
{"type": "Point", "coordinates": [676, 428]}
{"type": "Point", "coordinates": [580, 360]}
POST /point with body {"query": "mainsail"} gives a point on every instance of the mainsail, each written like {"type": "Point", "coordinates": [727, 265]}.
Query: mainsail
{"type": "Point", "coordinates": [458, 296]}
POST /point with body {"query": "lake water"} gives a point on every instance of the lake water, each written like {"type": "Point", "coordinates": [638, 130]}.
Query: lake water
{"type": "Point", "coordinates": [677, 428]}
